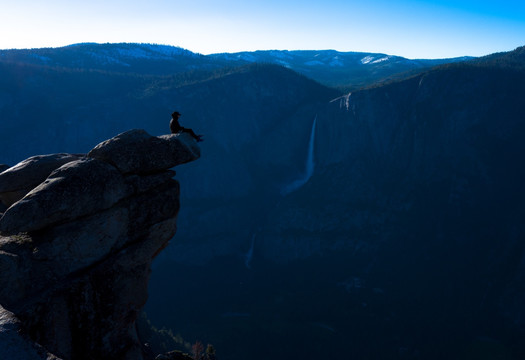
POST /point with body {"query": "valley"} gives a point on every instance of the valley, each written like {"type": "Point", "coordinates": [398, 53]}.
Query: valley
{"type": "Point", "coordinates": [373, 218]}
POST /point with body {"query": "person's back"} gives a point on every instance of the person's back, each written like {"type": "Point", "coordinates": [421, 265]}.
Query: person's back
{"type": "Point", "coordinates": [174, 123]}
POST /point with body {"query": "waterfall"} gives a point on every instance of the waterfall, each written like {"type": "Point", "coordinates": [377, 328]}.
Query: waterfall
{"type": "Point", "coordinates": [249, 255]}
{"type": "Point", "coordinates": [309, 168]}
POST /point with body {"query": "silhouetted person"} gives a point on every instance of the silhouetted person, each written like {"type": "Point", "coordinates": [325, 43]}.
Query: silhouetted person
{"type": "Point", "coordinates": [176, 128]}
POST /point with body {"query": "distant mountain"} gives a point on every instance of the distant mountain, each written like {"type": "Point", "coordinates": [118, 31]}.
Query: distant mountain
{"type": "Point", "coordinates": [45, 109]}
{"type": "Point", "coordinates": [123, 57]}
{"type": "Point", "coordinates": [348, 70]}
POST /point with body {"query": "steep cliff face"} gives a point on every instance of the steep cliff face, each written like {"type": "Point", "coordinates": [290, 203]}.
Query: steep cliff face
{"type": "Point", "coordinates": [407, 238]}
{"type": "Point", "coordinates": [418, 180]}
{"type": "Point", "coordinates": [444, 146]}
{"type": "Point", "coordinates": [77, 244]}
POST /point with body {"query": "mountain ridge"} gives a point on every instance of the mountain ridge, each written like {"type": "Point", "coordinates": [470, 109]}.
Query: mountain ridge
{"type": "Point", "coordinates": [346, 69]}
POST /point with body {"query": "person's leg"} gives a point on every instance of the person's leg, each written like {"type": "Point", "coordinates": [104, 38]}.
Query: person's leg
{"type": "Point", "coordinates": [192, 133]}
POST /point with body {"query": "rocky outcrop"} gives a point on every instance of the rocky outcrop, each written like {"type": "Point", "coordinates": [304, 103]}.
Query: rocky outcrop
{"type": "Point", "coordinates": [17, 181]}
{"type": "Point", "coordinates": [138, 152]}
{"type": "Point", "coordinates": [3, 207]}
{"type": "Point", "coordinates": [76, 249]}
{"type": "Point", "coordinates": [13, 345]}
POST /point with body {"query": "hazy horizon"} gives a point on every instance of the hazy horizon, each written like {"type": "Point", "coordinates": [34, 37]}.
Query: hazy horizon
{"type": "Point", "coordinates": [412, 29]}
{"type": "Point", "coordinates": [236, 52]}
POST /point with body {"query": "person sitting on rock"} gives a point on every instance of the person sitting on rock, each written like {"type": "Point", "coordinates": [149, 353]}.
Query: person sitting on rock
{"type": "Point", "coordinates": [176, 128]}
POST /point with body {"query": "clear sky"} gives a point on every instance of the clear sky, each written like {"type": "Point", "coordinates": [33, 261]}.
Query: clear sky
{"type": "Point", "coordinates": [409, 28]}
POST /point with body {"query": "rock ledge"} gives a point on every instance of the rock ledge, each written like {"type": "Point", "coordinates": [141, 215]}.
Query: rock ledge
{"type": "Point", "coordinates": [76, 243]}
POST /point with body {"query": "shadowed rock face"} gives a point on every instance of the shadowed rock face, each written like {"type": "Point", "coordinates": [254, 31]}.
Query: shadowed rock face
{"type": "Point", "coordinates": [17, 181]}
{"type": "Point", "coordinates": [75, 189]}
{"type": "Point", "coordinates": [15, 347]}
{"type": "Point", "coordinates": [76, 250]}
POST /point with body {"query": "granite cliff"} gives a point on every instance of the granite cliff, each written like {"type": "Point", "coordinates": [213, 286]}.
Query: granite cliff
{"type": "Point", "coordinates": [78, 234]}
{"type": "Point", "coordinates": [406, 241]}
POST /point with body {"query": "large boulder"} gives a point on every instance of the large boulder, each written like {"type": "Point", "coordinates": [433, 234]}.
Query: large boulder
{"type": "Point", "coordinates": [135, 151]}
{"type": "Point", "coordinates": [76, 189]}
{"type": "Point", "coordinates": [17, 181]}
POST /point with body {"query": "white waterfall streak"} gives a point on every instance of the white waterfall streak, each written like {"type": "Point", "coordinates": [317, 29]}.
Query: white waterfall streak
{"type": "Point", "coordinates": [309, 168]}
{"type": "Point", "coordinates": [249, 255]}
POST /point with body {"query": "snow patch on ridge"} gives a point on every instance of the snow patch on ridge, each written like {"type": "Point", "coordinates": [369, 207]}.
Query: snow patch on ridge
{"type": "Point", "coordinates": [373, 60]}
{"type": "Point", "coordinates": [381, 60]}
{"type": "Point", "coordinates": [367, 59]}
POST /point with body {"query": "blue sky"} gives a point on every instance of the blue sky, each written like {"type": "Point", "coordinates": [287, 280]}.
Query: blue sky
{"type": "Point", "coordinates": [413, 29]}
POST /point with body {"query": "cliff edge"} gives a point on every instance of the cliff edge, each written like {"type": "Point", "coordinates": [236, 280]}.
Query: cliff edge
{"type": "Point", "coordinates": [78, 234]}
